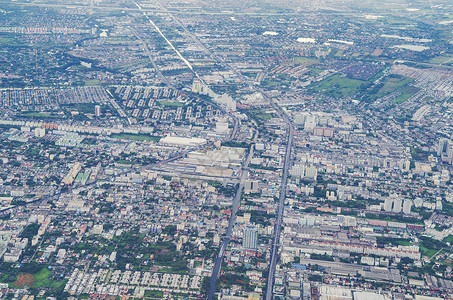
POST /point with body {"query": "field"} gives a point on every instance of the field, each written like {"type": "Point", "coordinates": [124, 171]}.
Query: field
{"type": "Point", "coordinates": [429, 247]}
{"type": "Point", "coordinates": [392, 84]}
{"type": "Point", "coordinates": [172, 104]}
{"type": "Point", "coordinates": [270, 82]}
{"type": "Point", "coordinates": [42, 115]}
{"type": "Point", "coordinates": [442, 60]}
{"type": "Point", "coordinates": [260, 115]}
{"type": "Point", "coordinates": [92, 82]}
{"type": "Point", "coordinates": [448, 239]}
{"type": "Point", "coordinates": [305, 60]}
{"type": "Point", "coordinates": [38, 280]}
{"type": "Point", "coordinates": [338, 87]}
{"type": "Point", "coordinates": [427, 252]}
{"type": "Point", "coordinates": [24, 279]}
{"type": "Point", "coordinates": [5, 40]}
{"type": "Point", "coordinates": [136, 137]}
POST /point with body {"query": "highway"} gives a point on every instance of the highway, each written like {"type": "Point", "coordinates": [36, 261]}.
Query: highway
{"type": "Point", "coordinates": [186, 62]}
{"type": "Point", "coordinates": [236, 200]}
{"type": "Point", "coordinates": [244, 172]}
{"type": "Point", "coordinates": [232, 221]}
{"type": "Point", "coordinates": [279, 217]}
{"type": "Point", "coordinates": [151, 59]}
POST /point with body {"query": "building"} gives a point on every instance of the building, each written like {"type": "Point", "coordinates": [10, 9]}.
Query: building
{"type": "Point", "coordinates": [196, 86]}
{"type": "Point", "coordinates": [226, 101]}
{"type": "Point", "coordinates": [40, 132]}
{"type": "Point", "coordinates": [251, 186]}
{"type": "Point", "coordinates": [298, 171]}
{"type": "Point", "coordinates": [182, 141]}
{"type": "Point", "coordinates": [445, 150]}
{"type": "Point", "coordinates": [397, 204]}
{"type": "Point", "coordinates": [407, 205]}
{"type": "Point", "coordinates": [443, 147]}
{"type": "Point", "coordinates": [310, 123]}
{"type": "Point", "coordinates": [324, 132]}
{"type": "Point", "coordinates": [388, 204]}
{"type": "Point", "coordinates": [221, 127]}
{"type": "Point", "coordinates": [97, 111]}
{"type": "Point", "coordinates": [250, 238]}
{"type": "Point", "coordinates": [393, 204]}
{"type": "Point", "coordinates": [299, 120]}
{"type": "Point", "coordinates": [335, 293]}
{"type": "Point", "coordinates": [306, 291]}
{"type": "Point", "coordinates": [70, 177]}
{"type": "Point", "coordinates": [311, 173]}
{"type": "Point", "coordinates": [367, 296]}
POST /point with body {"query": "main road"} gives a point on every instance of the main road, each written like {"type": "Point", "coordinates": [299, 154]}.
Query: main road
{"type": "Point", "coordinates": [227, 237]}
{"type": "Point", "coordinates": [237, 198]}
{"type": "Point", "coordinates": [279, 217]}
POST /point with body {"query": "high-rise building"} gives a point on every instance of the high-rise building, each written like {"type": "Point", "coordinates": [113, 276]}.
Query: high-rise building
{"type": "Point", "coordinates": [226, 101]}
{"type": "Point", "coordinates": [393, 204]}
{"type": "Point", "coordinates": [97, 111]}
{"type": "Point", "coordinates": [221, 127]}
{"type": "Point", "coordinates": [445, 150]}
{"type": "Point", "coordinates": [250, 238]}
{"type": "Point", "coordinates": [397, 204]}
{"type": "Point", "coordinates": [251, 186]}
{"type": "Point", "coordinates": [299, 120]}
{"type": "Point", "coordinates": [388, 204]}
{"type": "Point", "coordinates": [407, 205]}
{"type": "Point", "coordinates": [311, 173]}
{"type": "Point", "coordinates": [40, 132]}
{"type": "Point", "coordinates": [310, 123]}
{"type": "Point", "coordinates": [442, 148]}
{"type": "Point", "coordinates": [306, 291]}
{"type": "Point", "coordinates": [297, 170]}
{"type": "Point", "coordinates": [196, 86]}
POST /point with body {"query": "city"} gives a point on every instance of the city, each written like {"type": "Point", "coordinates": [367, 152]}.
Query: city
{"type": "Point", "coordinates": [175, 149]}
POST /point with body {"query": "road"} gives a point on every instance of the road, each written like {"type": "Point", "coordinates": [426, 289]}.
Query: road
{"type": "Point", "coordinates": [56, 194]}
{"type": "Point", "coordinates": [279, 220]}
{"type": "Point", "coordinates": [282, 196]}
{"type": "Point", "coordinates": [179, 54]}
{"type": "Point", "coordinates": [117, 107]}
{"type": "Point", "coordinates": [151, 59]}
{"type": "Point", "coordinates": [232, 221]}
{"type": "Point", "coordinates": [236, 200]}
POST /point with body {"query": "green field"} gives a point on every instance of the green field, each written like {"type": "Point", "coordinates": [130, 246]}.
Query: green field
{"type": "Point", "coordinates": [305, 60]}
{"type": "Point", "coordinates": [429, 246]}
{"type": "Point", "coordinates": [136, 137]}
{"type": "Point", "coordinates": [448, 239]}
{"type": "Point", "coordinates": [447, 60]}
{"type": "Point", "coordinates": [314, 71]}
{"type": "Point", "coordinates": [92, 82]}
{"type": "Point", "coordinates": [427, 252]}
{"type": "Point", "coordinates": [260, 115]}
{"type": "Point", "coordinates": [5, 40]}
{"type": "Point", "coordinates": [391, 84]}
{"type": "Point", "coordinates": [270, 82]}
{"type": "Point", "coordinates": [172, 104]}
{"type": "Point", "coordinates": [42, 280]}
{"type": "Point", "coordinates": [264, 116]}
{"type": "Point", "coordinates": [339, 87]}
{"type": "Point", "coordinates": [41, 115]}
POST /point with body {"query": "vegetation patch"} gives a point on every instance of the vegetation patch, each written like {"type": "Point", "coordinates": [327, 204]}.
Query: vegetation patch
{"type": "Point", "coordinates": [339, 87]}
{"type": "Point", "coordinates": [136, 137]}
{"type": "Point", "coordinates": [23, 280]}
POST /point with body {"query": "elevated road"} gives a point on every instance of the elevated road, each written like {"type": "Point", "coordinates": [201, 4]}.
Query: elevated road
{"type": "Point", "coordinates": [232, 221]}
{"type": "Point", "coordinates": [279, 217]}
{"type": "Point", "coordinates": [236, 200]}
